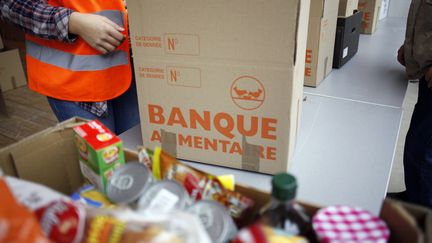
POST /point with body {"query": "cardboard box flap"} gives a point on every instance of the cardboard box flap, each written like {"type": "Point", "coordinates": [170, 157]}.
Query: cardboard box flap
{"type": "Point", "coordinates": [398, 218]}
{"type": "Point", "coordinates": [48, 157]}
{"type": "Point", "coordinates": [50, 161]}
{"type": "Point", "coordinates": [209, 30]}
{"type": "Point", "coordinates": [418, 216]}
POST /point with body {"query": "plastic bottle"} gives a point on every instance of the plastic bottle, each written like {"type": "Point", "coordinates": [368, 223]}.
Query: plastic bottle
{"type": "Point", "coordinates": [283, 212]}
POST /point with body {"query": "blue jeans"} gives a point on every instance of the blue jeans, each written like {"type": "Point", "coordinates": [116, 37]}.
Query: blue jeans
{"type": "Point", "coordinates": [418, 150]}
{"type": "Point", "coordinates": [122, 111]}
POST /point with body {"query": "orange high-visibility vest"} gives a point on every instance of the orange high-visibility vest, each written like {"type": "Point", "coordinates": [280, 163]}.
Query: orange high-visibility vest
{"type": "Point", "coordinates": [76, 71]}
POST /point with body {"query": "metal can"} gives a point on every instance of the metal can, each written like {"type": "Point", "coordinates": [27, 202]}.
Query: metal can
{"type": "Point", "coordinates": [216, 220]}
{"type": "Point", "coordinates": [128, 183]}
{"type": "Point", "coordinates": [163, 197]}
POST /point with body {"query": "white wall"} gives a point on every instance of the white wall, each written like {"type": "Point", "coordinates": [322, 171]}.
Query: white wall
{"type": "Point", "coordinates": [399, 8]}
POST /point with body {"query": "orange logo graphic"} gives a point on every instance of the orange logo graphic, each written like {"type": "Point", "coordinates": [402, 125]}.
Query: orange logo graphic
{"type": "Point", "coordinates": [247, 93]}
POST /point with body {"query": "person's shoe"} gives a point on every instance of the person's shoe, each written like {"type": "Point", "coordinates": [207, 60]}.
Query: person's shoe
{"type": "Point", "coordinates": [402, 196]}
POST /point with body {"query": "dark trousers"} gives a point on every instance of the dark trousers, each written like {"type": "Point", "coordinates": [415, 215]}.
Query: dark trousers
{"type": "Point", "coordinates": [122, 111]}
{"type": "Point", "coordinates": [418, 150]}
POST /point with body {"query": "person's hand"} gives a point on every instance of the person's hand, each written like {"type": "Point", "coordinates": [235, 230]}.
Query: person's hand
{"type": "Point", "coordinates": [401, 55]}
{"type": "Point", "coordinates": [98, 31]}
{"type": "Point", "coordinates": [428, 77]}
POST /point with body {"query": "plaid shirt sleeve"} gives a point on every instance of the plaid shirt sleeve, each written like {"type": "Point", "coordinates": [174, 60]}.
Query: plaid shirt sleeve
{"type": "Point", "coordinates": [38, 18]}
{"type": "Point", "coordinates": [42, 20]}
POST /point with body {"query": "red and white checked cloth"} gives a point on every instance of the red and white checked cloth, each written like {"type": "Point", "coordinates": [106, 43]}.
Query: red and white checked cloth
{"type": "Point", "coordinates": [337, 224]}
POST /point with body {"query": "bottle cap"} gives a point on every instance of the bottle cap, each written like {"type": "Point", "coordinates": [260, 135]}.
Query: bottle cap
{"type": "Point", "coordinates": [284, 186]}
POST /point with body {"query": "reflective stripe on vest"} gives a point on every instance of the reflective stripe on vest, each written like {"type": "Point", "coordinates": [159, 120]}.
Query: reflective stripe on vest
{"type": "Point", "coordinates": [76, 62]}
{"type": "Point", "coordinates": [113, 15]}
{"type": "Point", "coordinates": [81, 62]}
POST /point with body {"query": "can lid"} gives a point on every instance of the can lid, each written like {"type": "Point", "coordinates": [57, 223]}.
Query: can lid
{"type": "Point", "coordinates": [164, 196]}
{"type": "Point", "coordinates": [349, 224]}
{"type": "Point", "coordinates": [284, 186]}
{"type": "Point", "coordinates": [215, 219]}
{"type": "Point", "coordinates": [128, 182]}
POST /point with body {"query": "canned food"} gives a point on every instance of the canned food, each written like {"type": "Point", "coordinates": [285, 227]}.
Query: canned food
{"type": "Point", "coordinates": [163, 197]}
{"type": "Point", "coordinates": [216, 220]}
{"type": "Point", "coordinates": [129, 182]}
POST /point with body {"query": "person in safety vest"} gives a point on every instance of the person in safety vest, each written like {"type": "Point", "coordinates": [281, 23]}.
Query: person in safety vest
{"type": "Point", "coordinates": [78, 55]}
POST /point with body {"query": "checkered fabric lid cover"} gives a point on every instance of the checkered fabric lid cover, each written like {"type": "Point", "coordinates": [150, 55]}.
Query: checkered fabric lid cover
{"type": "Point", "coordinates": [348, 224]}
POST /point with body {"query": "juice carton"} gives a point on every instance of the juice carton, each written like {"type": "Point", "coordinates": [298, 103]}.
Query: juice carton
{"type": "Point", "coordinates": [100, 152]}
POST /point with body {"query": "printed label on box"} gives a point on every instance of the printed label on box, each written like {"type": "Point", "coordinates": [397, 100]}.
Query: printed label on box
{"type": "Point", "coordinates": [151, 73]}
{"type": "Point", "coordinates": [184, 76]}
{"type": "Point", "coordinates": [182, 44]}
{"type": "Point", "coordinates": [148, 42]}
{"type": "Point", "coordinates": [345, 52]}
{"type": "Point", "coordinates": [90, 175]}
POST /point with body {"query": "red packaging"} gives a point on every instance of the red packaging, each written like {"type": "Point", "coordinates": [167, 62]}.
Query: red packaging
{"type": "Point", "coordinates": [62, 222]}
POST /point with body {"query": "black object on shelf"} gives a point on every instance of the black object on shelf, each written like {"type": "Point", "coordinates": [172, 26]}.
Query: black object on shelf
{"type": "Point", "coordinates": [347, 38]}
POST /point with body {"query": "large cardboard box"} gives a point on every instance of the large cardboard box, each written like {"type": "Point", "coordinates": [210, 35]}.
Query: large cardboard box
{"type": "Point", "coordinates": [50, 158]}
{"type": "Point", "coordinates": [371, 11]}
{"type": "Point", "coordinates": [320, 42]}
{"type": "Point", "coordinates": [347, 7]}
{"type": "Point", "coordinates": [347, 39]}
{"type": "Point", "coordinates": [220, 82]}
{"type": "Point", "coordinates": [11, 71]}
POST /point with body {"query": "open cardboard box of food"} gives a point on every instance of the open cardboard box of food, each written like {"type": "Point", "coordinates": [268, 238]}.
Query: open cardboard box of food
{"type": "Point", "coordinates": [50, 158]}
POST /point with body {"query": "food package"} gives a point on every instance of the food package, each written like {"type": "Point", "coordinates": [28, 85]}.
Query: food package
{"type": "Point", "coordinates": [264, 234]}
{"type": "Point", "coordinates": [17, 223]}
{"type": "Point", "coordinates": [200, 185]}
{"type": "Point", "coordinates": [90, 196]}
{"type": "Point", "coordinates": [32, 195]}
{"type": "Point", "coordinates": [62, 221]}
{"type": "Point", "coordinates": [100, 152]}
{"type": "Point", "coordinates": [127, 226]}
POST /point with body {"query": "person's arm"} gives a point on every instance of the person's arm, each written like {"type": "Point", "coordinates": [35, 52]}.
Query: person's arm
{"type": "Point", "coordinates": [401, 55]}
{"type": "Point", "coordinates": [58, 23]}
{"type": "Point", "coordinates": [98, 31]}
{"type": "Point", "coordinates": [38, 18]}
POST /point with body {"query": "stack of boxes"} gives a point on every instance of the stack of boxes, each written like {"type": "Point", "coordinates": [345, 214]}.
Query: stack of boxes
{"type": "Point", "coordinates": [321, 39]}
{"type": "Point", "coordinates": [347, 32]}
{"type": "Point", "coordinates": [334, 34]}
{"type": "Point", "coordinates": [371, 11]}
